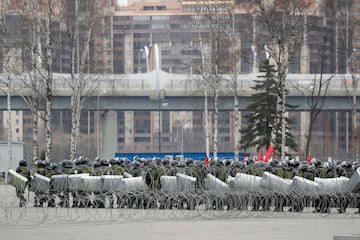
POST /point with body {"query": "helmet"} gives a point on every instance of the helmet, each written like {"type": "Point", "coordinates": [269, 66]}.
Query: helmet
{"type": "Point", "coordinates": [304, 167]}
{"type": "Point", "coordinates": [96, 164]}
{"type": "Point", "coordinates": [189, 162]}
{"type": "Point", "coordinates": [114, 161]}
{"type": "Point", "coordinates": [67, 164]}
{"type": "Point", "coordinates": [166, 162]}
{"type": "Point", "coordinates": [219, 162]}
{"type": "Point", "coordinates": [283, 164]}
{"type": "Point", "coordinates": [54, 166]}
{"type": "Point", "coordinates": [294, 163]}
{"type": "Point", "coordinates": [317, 162]}
{"type": "Point", "coordinates": [78, 161]}
{"type": "Point", "coordinates": [23, 163]}
{"type": "Point", "coordinates": [46, 164]}
{"type": "Point", "coordinates": [40, 164]}
{"type": "Point", "coordinates": [104, 162]}
{"type": "Point", "coordinates": [175, 163]}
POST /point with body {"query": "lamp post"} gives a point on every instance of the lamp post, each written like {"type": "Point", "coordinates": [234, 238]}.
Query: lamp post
{"type": "Point", "coordinates": [182, 138]}
{"type": "Point", "coordinates": [164, 103]}
{"type": "Point", "coordinates": [139, 60]}
{"type": "Point", "coordinates": [98, 124]}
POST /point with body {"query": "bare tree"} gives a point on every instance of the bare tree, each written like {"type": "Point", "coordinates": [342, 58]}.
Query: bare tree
{"type": "Point", "coordinates": [346, 23]}
{"type": "Point", "coordinates": [214, 16]}
{"type": "Point", "coordinates": [283, 25]}
{"type": "Point", "coordinates": [80, 19]}
{"type": "Point", "coordinates": [318, 88]}
{"type": "Point", "coordinates": [8, 61]}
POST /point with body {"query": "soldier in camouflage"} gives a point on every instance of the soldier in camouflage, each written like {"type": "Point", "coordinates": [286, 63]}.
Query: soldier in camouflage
{"type": "Point", "coordinates": [24, 171]}
{"type": "Point", "coordinates": [39, 198]}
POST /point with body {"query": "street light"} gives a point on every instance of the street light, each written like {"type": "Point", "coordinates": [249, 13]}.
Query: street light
{"type": "Point", "coordinates": [305, 96]}
{"type": "Point", "coordinates": [182, 138]}
{"type": "Point", "coordinates": [139, 60]}
{"type": "Point", "coordinates": [98, 124]}
{"type": "Point", "coordinates": [161, 102]}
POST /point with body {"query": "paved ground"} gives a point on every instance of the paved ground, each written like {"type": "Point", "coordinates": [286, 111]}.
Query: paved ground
{"type": "Point", "coordinates": [245, 228]}
{"type": "Point", "coordinates": [104, 224]}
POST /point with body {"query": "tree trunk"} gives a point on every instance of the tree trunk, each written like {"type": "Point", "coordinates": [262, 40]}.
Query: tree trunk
{"type": "Point", "coordinates": [206, 115]}
{"type": "Point", "coordinates": [216, 120]}
{"type": "Point", "coordinates": [48, 83]}
{"type": "Point", "coordinates": [9, 122]}
{"type": "Point", "coordinates": [236, 119]}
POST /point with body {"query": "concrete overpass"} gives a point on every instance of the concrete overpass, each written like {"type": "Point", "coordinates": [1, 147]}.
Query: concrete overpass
{"type": "Point", "coordinates": [145, 91]}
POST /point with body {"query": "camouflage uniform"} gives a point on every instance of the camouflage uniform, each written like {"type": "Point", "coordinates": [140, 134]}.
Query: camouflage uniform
{"type": "Point", "coordinates": [80, 199]}
{"type": "Point", "coordinates": [39, 198]}
{"type": "Point", "coordinates": [24, 171]}
{"type": "Point", "coordinates": [65, 196]}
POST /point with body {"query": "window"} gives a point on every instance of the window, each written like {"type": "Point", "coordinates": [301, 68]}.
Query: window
{"type": "Point", "coordinates": [17, 130]}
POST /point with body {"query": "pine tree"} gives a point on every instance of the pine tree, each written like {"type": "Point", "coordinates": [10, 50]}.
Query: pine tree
{"type": "Point", "coordinates": [263, 125]}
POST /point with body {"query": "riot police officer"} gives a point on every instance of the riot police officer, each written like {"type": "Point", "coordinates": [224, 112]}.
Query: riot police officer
{"type": "Point", "coordinates": [24, 171]}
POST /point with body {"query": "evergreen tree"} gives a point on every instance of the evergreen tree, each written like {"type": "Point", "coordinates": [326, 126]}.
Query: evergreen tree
{"type": "Point", "coordinates": [262, 118]}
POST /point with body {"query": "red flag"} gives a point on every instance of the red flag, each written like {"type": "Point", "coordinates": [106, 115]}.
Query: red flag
{"type": "Point", "coordinates": [206, 162]}
{"type": "Point", "coordinates": [261, 156]}
{"type": "Point", "coordinates": [269, 152]}
{"type": "Point", "coordinates": [255, 159]}
{"type": "Point", "coordinates": [309, 158]}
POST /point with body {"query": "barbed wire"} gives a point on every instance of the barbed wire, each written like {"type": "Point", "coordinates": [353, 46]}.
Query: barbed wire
{"type": "Point", "coordinates": [131, 199]}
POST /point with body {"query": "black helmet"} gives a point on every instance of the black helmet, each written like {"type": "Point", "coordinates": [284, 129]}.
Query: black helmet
{"type": "Point", "coordinates": [166, 162]}
{"type": "Point", "coordinates": [67, 164]}
{"type": "Point", "coordinates": [47, 164]}
{"type": "Point", "coordinates": [189, 162]}
{"type": "Point", "coordinates": [96, 164]}
{"type": "Point", "coordinates": [219, 162]}
{"type": "Point", "coordinates": [114, 161]}
{"type": "Point", "coordinates": [40, 164]}
{"type": "Point", "coordinates": [78, 161]}
{"type": "Point", "coordinates": [54, 166]}
{"type": "Point", "coordinates": [23, 163]}
{"type": "Point", "coordinates": [104, 162]}
{"type": "Point", "coordinates": [175, 163]}
{"type": "Point", "coordinates": [303, 166]}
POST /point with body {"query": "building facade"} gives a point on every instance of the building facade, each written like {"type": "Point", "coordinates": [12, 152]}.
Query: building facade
{"type": "Point", "coordinates": [123, 41]}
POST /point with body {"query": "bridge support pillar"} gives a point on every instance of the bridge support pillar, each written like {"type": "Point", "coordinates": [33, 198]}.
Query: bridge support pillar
{"type": "Point", "coordinates": [110, 132]}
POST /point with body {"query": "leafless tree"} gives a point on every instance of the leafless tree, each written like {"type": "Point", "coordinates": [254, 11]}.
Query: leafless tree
{"type": "Point", "coordinates": [346, 23]}
{"type": "Point", "coordinates": [80, 18]}
{"type": "Point", "coordinates": [215, 17]}
{"type": "Point", "coordinates": [8, 62]}
{"type": "Point", "coordinates": [314, 93]}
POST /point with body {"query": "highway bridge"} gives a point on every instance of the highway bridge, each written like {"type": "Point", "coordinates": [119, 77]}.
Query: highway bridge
{"type": "Point", "coordinates": [175, 92]}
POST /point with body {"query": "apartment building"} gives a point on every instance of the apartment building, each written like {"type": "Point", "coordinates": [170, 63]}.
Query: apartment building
{"type": "Point", "coordinates": [123, 42]}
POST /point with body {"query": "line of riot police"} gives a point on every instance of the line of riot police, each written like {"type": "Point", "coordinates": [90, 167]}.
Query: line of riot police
{"type": "Point", "coordinates": [154, 196]}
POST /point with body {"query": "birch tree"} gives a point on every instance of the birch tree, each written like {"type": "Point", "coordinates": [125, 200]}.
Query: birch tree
{"type": "Point", "coordinates": [49, 14]}
{"type": "Point", "coordinates": [30, 79]}
{"type": "Point", "coordinates": [214, 15]}
{"type": "Point", "coordinates": [80, 19]}
{"type": "Point", "coordinates": [283, 25]}
{"type": "Point", "coordinates": [8, 60]}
